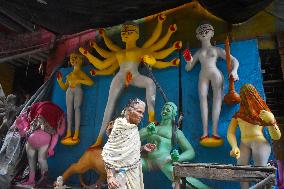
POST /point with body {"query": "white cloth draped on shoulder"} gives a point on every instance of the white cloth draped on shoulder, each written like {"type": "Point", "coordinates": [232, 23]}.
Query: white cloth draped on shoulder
{"type": "Point", "coordinates": [122, 151]}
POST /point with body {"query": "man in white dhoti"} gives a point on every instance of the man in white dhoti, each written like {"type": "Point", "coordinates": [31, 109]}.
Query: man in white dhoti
{"type": "Point", "coordinates": [122, 150]}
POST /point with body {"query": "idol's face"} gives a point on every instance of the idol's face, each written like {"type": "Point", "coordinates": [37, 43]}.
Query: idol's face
{"type": "Point", "coordinates": [129, 33]}
{"type": "Point", "coordinates": [204, 32]}
{"type": "Point", "coordinates": [75, 60]}
{"type": "Point", "coordinates": [167, 112]}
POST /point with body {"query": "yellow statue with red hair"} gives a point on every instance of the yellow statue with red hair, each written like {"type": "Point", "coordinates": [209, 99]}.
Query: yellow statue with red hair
{"type": "Point", "coordinates": [252, 117]}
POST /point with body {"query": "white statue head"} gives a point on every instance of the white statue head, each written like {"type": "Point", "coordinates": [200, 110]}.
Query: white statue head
{"type": "Point", "coordinates": [204, 32]}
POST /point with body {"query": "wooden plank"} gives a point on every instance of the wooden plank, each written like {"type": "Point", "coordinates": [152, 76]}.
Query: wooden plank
{"type": "Point", "coordinates": [223, 172]}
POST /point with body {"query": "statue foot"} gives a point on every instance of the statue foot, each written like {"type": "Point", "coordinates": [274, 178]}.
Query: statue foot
{"type": "Point", "coordinates": [70, 141]}
{"type": "Point", "coordinates": [43, 182]}
{"type": "Point", "coordinates": [28, 183]}
{"type": "Point", "coordinates": [203, 137]}
{"type": "Point", "coordinates": [98, 143]}
{"type": "Point", "coordinates": [216, 137]}
{"type": "Point", "coordinates": [213, 141]}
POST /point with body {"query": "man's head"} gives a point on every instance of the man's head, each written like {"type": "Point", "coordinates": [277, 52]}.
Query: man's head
{"type": "Point", "coordinates": [134, 111]}
{"type": "Point", "coordinates": [169, 111]}
{"type": "Point", "coordinates": [204, 31]}
{"type": "Point", "coordinates": [129, 32]}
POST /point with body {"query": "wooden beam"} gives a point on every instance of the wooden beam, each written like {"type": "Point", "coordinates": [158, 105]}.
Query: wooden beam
{"type": "Point", "coordinates": [38, 57]}
{"type": "Point", "coordinates": [270, 180]}
{"type": "Point", "coordinates": [223, 172]}
{"type": "Point", "coordinates": [5, 10]}
{"type": "Point", "coordinates": [4, 59]}
{"type": "Point", "coordinates": [11, 25]}
{"type": "Point", "coordinates": [15, 63]}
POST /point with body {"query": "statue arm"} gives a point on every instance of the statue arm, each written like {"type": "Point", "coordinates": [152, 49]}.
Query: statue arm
{"type": "Point", "coordinates": [235, 63]}
{"type": "Point", "coordinates": [143, 134]}
{"type": "Point", "coordinates": [161, 64]}
{"type": "Point", "coordinates": [63, 85]}
{"type": "Point", "coordinates": [85, 79]}
{"type": "Point", "coordinates": [99, 64]}
{"type": "Point", "coordinates": [104, 53]}
{"type": "Point", "coordinates": [108, 71]}
{"type": "Point", "coordinates": [187, 150]}
{"type": "Point", "coordinates": [161, 43]}
{"type": "Point", "coordinates": [164, 53]}
{"type": "Point", "coordinates": [273, 128]}
{"type": "Point", "coordinates": [190, 64]}
{"type": "Point", "coordinates": [53, 142]}
{"type": "Point", "coordinates": [274, 132]}
{"type": "Point", "coordinates": [231, 133]}
{"type": "Point", "coordinates": [108, 42]}
{"type": "Point", "coordinates": [157, 32]}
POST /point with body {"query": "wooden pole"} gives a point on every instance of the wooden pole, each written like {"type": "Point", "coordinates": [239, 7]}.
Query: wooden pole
{"type": "Point", "coordinates": [232, 97]}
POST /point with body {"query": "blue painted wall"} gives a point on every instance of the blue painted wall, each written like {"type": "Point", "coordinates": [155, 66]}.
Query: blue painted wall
{"type": "Point", "coordinates": [95, 99]}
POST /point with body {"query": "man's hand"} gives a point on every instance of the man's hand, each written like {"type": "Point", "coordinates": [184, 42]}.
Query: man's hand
{"type": "Point", "coordinates": [112, 182]}
{"type": "Point", "coordinates": [149, 147]}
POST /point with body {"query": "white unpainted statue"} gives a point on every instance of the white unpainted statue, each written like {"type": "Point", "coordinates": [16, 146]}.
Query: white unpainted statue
{"type": "Point", "coordinates": [59, 183]}
{"type": "Point", "coordinates": [209, 73]}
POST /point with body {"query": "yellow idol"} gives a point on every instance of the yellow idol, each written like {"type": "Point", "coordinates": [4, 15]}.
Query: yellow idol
{"type": "Point", "coordinates": [76, 60]}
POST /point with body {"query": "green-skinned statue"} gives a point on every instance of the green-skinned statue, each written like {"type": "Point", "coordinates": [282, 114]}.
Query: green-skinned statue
{"type": "Point", "coordinates": [163, 157]}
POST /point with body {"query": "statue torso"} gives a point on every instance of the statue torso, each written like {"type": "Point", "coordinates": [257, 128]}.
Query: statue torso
{"type": "Point", "coordinates": [250, 132]}
{"type": "Point", "coordinates": [162, 139]}
{"type": "Point", "coordinates": [208, 57]}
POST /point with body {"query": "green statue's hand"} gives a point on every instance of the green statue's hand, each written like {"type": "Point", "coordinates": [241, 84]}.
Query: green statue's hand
{"type": "Point", "coordinates": [151, 128]}
{"type": "Point", "coordinates": [175, 155]}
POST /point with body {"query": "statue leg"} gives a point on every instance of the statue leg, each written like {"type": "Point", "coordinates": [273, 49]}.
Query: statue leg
{"type": "Point", "coordinates": [76, 168]}
{"type": "Point", "coordinates": [31, 154]}
{"type": "Point", "coordinates": [69, 106]}
{"type": "Point", "coordinates": [260, 153]}
{"type": "Point", "coordinates": [145, 164]}
{"type": "Point", "coordinates": [217, 87]}
{"type": "Point", "coordinates": [142, 81]}
{"type": "Point", "coordinates": [244, 160]}
{"type": "Point", "coordinates": [203, 86]}
{"type": "Point", "coordinates": [77, 106]}
{"type": "Point", "coordinates": [115, 90]}
{"type": "Point", "coordinates": [42, 160]}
